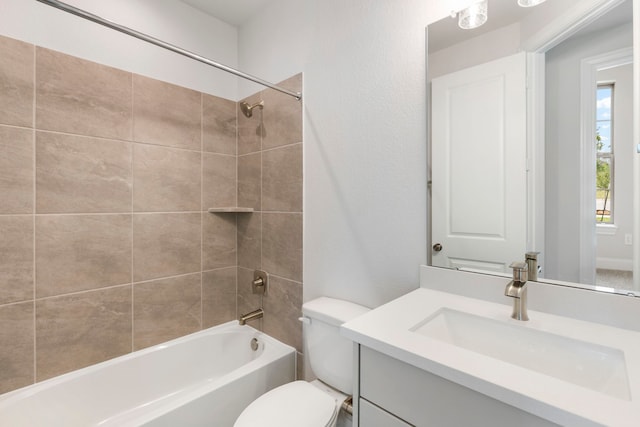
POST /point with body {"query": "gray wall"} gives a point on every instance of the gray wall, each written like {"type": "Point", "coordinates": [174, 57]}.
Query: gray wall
{"type": "Point", "coordinates": [563, 146]}
{"type": "Point", "coordinates": [364, 136]}
{"type": "Point", "coordinates": [487, 47]}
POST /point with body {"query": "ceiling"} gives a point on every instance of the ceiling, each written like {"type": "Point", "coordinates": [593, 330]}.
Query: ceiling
{"type": "Point", "coordinates": [234, 12]}
{"type": "Point", "coordinates": [616, 17]}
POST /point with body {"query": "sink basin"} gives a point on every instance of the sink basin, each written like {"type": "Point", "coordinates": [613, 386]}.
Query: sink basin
{"type": "Point", "coordinates": [596, 367]}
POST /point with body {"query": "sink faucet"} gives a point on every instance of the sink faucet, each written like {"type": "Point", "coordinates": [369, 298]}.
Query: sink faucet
{"type": "Point", "coordinates": [532, 264]}
{"type": "Point", "coordinates": [517, 289]}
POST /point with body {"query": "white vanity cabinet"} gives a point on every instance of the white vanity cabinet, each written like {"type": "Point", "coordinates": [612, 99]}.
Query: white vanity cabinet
{"type": "Point", "coordinates": [393, 393]}
{"type": "Point", "coordinates": [436, 358]}
{"type": "Point", "coordinates": [373, 416]}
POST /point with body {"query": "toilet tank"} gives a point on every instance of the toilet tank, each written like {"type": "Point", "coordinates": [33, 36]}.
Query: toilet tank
{"type": "Point", "coordinates": [330, 355]}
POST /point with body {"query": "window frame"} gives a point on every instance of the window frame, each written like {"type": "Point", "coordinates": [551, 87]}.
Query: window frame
{"type": "Point", "coordinates": [609, 157]}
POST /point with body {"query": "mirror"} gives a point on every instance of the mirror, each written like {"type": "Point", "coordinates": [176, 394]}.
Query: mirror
{"type": "Point", "coordinates": [530, 123]}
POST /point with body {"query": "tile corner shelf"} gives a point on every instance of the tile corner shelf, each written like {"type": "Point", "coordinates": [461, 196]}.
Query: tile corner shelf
{"type": "Point", "coordinates": [232, 209]}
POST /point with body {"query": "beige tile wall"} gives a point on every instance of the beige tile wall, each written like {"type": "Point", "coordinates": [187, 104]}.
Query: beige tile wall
{"type": "Point", "coordinates": [105, 179]}
{"type": "Point", "coordinates": [270, 181]}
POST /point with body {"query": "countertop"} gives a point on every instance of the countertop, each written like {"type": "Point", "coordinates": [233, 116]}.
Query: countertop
{"type": "Point", "coordinates": [388, 329]}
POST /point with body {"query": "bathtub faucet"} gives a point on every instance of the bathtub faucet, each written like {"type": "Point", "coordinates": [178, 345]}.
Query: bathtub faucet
{"type": "Point", "coordinates": [255, 314]}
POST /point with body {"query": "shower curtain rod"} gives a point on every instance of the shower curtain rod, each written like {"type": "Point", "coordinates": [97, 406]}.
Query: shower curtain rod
{"type": "Point", "coordinates": [133, 33]}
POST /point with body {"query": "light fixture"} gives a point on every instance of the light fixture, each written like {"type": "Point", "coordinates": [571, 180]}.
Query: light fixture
{"type": "Point", "coordinates": [530, 3]}
{"type": "Point", "coordinates": [474, 15]}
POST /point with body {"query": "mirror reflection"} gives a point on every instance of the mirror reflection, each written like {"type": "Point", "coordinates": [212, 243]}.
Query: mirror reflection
{"type": "Point", "coordinates": [531, 142]}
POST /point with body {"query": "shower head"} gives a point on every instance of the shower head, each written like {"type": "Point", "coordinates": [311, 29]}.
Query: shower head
{"type": "Point", "coordinates": [247, 109]}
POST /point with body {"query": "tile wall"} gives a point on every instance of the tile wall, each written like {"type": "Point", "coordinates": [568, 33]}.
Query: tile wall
{"type": "Point", "coordinates": [105, 179]}
{"type": "Point", "coordinates": [270, 181]}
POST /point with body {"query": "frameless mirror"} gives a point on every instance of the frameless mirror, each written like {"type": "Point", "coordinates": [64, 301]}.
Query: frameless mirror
{"type": "Point", "coordinates": [531, 135]}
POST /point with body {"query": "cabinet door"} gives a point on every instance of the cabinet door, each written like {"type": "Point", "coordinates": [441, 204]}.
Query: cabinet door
{"type": "Point", "coordinates": [372, 416]}
{"type": "Point", "coordinates": [427, 400]}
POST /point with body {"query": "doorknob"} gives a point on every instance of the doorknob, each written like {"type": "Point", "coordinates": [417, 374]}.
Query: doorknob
{"type": "Point", "coordinates": [437, 247]}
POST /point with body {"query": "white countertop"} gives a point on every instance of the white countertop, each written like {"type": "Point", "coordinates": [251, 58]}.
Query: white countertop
{"type": "Point", "coordinates": [387, 329]}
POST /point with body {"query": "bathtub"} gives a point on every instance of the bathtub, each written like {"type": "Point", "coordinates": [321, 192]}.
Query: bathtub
{"type": "Point", "coordinates": [203, 379]}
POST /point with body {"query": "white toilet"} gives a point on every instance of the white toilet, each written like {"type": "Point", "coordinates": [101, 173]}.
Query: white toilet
{"type": "Point", "coordinates": [314, 404]}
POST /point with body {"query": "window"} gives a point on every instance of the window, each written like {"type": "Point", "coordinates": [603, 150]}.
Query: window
{"type": "Point", "coordinates": [604, 154]}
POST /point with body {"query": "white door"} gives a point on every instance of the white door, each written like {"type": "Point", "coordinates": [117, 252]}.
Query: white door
{"type": "Point", "coordinates": [479, 177]}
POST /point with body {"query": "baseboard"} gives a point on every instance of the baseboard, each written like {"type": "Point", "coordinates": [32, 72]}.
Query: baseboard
{"type": "Point", "coordinates": [615, 264]}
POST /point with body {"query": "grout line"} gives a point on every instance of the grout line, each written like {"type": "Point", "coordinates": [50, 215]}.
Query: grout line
{"type": "Point", "coordinates": [177, 148]}
{"type": "Point", "coordinates": [201, 122]}
{"type": "Point", "coordinates": [249, 154]}
{"type": "Point", "coordinates": [285, 278]}
{"type": "Point", "coordinates": [35, 365]}
{"type": "Point", "coordinates": [12, 303]}
{"type": "Point", "coordinates": [261, 127]}
{"type": "Point", "coordinates": [132, 318]}
{"type": "Point", "coordinates": [218, 269]}
{"type": "Point", "coordinates": [33, 210]}
{"type": "Point", "coordinates": [120, 285]}
{"type": "Point", "coordinates": [8, 125]}
{"type": "Point", "coordinates": [282, 212]}
{"type": "Point", "coordinates": [141, 282]}
{"type": "Point", "coordinates": [133, 107]}
{"type": "Point", "coordinates": [82, 213]}
{"type": "Point", "coordinates": [108, 213]}
{"type": "Point", "coordinates": [237, 290]}
{"type": "Point", "coordinates": [280, 147]}
{"type": "Point", "coordinates": [132, 146]}
{"type": "Point", "coordinates": [237, 153]}
{"type": "Point", "coordinates": [202, 215]}
{"type": "Point", "coordinates": [102, 138]}
{"type": "Point", "coordinates": [201, 301]}
{"type": "Point", "coordinates": [261, 184]}
{"type": "Point", "coordinates": [167, 212]}
{"type": "Point", "coordinates": [236, 298]}
{"type": "Point", "coordinates": [237, 103]}
{"type": "Point", "coordinates": [117, 286]}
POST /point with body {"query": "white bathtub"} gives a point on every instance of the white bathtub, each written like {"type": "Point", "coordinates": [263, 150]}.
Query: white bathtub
{"type": "Point", "coordinates": [203, 379]}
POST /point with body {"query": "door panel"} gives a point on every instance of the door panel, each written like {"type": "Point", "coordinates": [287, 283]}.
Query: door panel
{"type": "Point", "coordinates": [479, 177]}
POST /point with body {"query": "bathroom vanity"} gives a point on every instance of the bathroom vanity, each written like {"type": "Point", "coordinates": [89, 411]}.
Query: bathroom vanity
{"type": "Point", "coordinates": [456, 357]}
{"type": "Point", "coordinates": [392, 391]}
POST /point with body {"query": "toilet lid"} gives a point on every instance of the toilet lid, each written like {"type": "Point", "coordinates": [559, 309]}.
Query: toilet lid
{"type": "Point", "coordinates": [294, 404]}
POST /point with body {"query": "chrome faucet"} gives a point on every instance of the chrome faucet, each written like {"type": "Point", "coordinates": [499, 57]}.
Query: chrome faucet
{"type": "Point", "coordinates": [517, 289]}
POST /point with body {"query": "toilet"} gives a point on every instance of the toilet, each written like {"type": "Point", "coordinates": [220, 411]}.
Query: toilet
{"type": "Point", "coordinates": [316, 403]}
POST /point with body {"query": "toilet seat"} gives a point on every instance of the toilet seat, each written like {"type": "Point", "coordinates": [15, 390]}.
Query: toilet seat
{"type": "Point", "coordinates": [295, 404]}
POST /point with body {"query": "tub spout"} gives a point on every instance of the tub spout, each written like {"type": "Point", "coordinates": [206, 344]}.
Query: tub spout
{"type": "Point", "coordinates": [255, 314]}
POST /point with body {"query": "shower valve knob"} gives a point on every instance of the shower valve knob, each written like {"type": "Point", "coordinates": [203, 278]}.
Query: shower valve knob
{"type": "Point", "coordinates": [260, 282]}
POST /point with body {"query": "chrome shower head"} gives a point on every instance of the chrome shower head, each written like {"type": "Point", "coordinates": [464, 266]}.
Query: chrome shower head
{"type": "Point", "coordinates": [247, 109]}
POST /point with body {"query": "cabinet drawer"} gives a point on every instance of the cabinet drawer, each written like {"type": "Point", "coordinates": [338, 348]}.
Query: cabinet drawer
{"type": "Point", "coordinates": [424, 399]}
{"type": "Point", "coordinates": [372, 416]}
